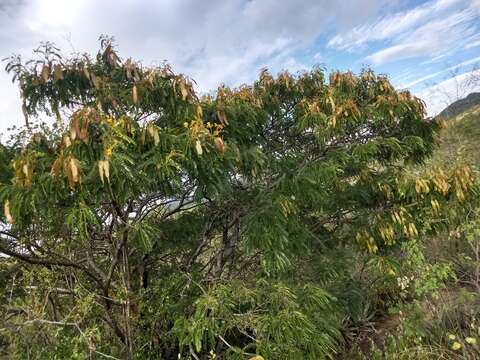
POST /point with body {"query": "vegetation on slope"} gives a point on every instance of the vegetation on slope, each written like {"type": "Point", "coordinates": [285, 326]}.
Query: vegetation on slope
{"type": "Point", "coordinates": [281, 220]}
{"type": "Point", "coordinates": [460, 106]}
{"type": "Point", "coordinates": [443, 322]}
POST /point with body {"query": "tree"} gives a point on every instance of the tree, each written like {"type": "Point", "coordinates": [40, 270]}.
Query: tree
{"type": "Point", "coordinates": [153, 222]}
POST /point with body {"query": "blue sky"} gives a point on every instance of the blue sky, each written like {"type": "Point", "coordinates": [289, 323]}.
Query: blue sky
{"type": "Point", "coordinates": [431, 47]}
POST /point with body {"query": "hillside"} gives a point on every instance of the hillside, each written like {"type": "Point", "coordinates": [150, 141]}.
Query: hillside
{"type": "Point", "coordinates": [460, 106]}
{"type": "Point", "coordinates": [459, 140]}
{"type": "Point", "coordinates": [442, 322]}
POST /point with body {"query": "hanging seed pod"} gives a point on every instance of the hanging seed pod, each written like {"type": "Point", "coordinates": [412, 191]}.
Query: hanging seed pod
{"type": "Point", "coordinates": [104, 170]}
{"type": "Point", "coordinates": [57, 72]}
{"type": "Point", "coordinates": [199, 112]}
{"type": "Point", "coordinates": [198, 147]}
{"type": "Point", "coordinates": [25, 114]}
{"type": "Point", "coordinates": [86, 72]}
{"type": "Point", "coordinates": [136, 74]}
{"type": "Point", "coordinates": [57, 166]}
{"type": "Point", "coordinates": [72, 169]}
{"type": "Point", "coordinates": [128, 69]}
{"type": "Point", "coordinates": [154, 134]}
{"type": "Point", "coordinates": [183, 91]}
{"type": "Point", "coordinates": [6, 210]}
{"type": "Point", "coordinates": [332, 103]}
{"type": "Point", "coordinates": [135, 94]}
{"type": "Point", "coordinates": [25, 169]}
{"type": "Point", "coordinates": [45, 73]}
{"type": "Point", "coordinates": [222, 117]}
{"type": "Point", "coordinates": [220, 145]}
{"type": "Point", "coordinates": [95, 81]}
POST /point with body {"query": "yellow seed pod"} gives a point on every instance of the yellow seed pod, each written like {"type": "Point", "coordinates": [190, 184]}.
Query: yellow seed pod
{"type": "Point", "coordinates": [66, 140]}
{"type": "Point", "coordinates": [6, 210]}
{"type": "Point", "coordinates": [183, 90]}
{"type": "Point", "coordinates": [104, 170]}
{"type": "Point", "coordinates": [135, 94]}
{"type": "Point", "coordinates": [198, 147]}
{"type": "Point", "coordinates": [154, 134]}
{"type": "Point", "coordinates": [58, 75]}
{"type": "Point", "coordinates": [333, 121]}
{"type": "Point", "coordinates": [45, 73]}
{"type": "Point", "coordinates": [199, 112]}
{"type": "Point", "coordinates": [73, 171]}
{"type": "Point", "coordinates": [412, 229]}
{"type": "Point", "coordinates": [220, 145]}
{"type": "Point", "coordinates": [471, 340]}
{"type": "Point", "coordinates": [418, 186]}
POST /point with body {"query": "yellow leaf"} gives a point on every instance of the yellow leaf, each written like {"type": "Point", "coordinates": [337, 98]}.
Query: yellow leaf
{"type": "Point", "coordinates": [258, 357]}
{"type": "Point", "coordinates": [456, 346]}
{"type": "Point", "coordinates": [6, 210]}
{"type": "Point", "coordinates": [471, 340]}
{"type": "Point", "coordinates": [198, 147]}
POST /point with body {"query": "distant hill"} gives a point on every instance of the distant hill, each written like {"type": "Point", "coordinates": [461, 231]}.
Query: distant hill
{"type": "Point", "coordinates": [460, 106]}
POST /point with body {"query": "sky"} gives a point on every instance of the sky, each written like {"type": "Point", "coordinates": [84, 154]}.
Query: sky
{"type": "Point", "coordinates": [429, 47]}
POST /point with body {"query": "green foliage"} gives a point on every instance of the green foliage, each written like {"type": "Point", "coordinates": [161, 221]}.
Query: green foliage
{"type": "Point", "coordinates": [275, 320]}
{"type": "Point", "coordinates": [265, 220]}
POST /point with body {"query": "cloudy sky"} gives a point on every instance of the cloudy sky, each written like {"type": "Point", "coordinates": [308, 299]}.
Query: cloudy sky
{"type": "Point", "coordinates": [431, 47]}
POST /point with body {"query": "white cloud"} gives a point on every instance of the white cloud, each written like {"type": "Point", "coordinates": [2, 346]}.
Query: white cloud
{"type": "Point", "coordinates": [317, 57]}
{"type": "Point", "coordinates": [217, 41]}
{"type": "Point", "coordinates": [212, 41]}
{"type": "Point", "coordinates": [474, 61]}
{"type": "Point", "coordinates": [472, 44]}
{"type": "Point", "coordinates": [401, 51]}
{"type": "Point", "coordinates": [434, 59]}
{"type": "Point", "coordinates": [431, 30]}
{"type": "Point", "coordinates": [389, 26]}
{"type": "Point", "coordinates": [440, 95]}
{"type": "Point", "coordinates": [430, 39]}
